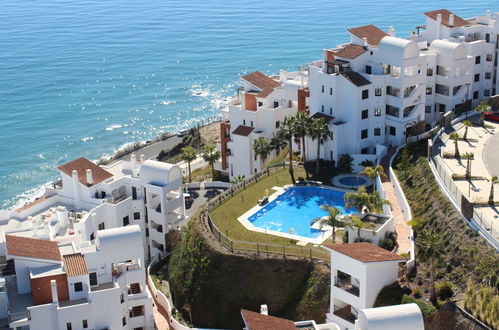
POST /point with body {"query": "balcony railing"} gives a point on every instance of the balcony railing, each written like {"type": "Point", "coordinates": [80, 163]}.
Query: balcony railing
{"type": "Point", "coordinates": [347, 286]}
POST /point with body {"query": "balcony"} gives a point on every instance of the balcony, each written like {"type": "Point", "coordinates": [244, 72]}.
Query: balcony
{"type": "Point", "coordinates": [345, 313]}
{"type": "Point", "coordinates": [346, 285]}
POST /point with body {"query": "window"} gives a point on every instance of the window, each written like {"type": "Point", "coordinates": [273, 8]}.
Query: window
{"type": "Point", "coordinates": [486, 92]}
{"type": "Point", "coordinates": [477, 77]}
{"type": "Point", "coordinates": [377, 131]}
{"type": "Point", "coordinates": [429, 72]}
{"type": "Point", "coordinates": [378, 91]}
{"type": "Point", "coordinates": [330, 91]}
{"type": "Point", "coordinates": [365, 94]}
{"type": "Point", "coordinates": [134, 193]}
{"type": "Point", "coordinates": [364, 151]}
{"type": "Point", "coordinates": [487, 37]}
{"type": "Point", "coordinates": [441, 107]}
{"type": "Point", "coordinates": [276, 104]}
{"type": "Point", "coordinates": [442, 70]}
{"type": "Point", "coordinates": [123, 320]}
{"type": "Point", "coordinates": [331, 135]}
{"type": "Point", "coordinates": [85, 324]}
{"type": "Point", "coordinates": [477, 60]}
{"type": "Point", "coordinates": [255, 156]}
{"type": "Point", "coordinates": [122, 298]}
{"type": "Point", "coordinates": [323, 88]}
{"type": "Point", "coordinates": [488, 75]}
{"type": "Point", "coordinates": [364, 114]}
{"type": "Point", "coordinates": [101, 226]}
{"type": "Point", "coordinates": [322, 109]}
{"type": "Point", "coordinates": [363, 134]}
{"type": "Point", "coordinates": [429, 90]}
{"type": "Point", "coordinates": [126, 221]}
{"type": "Point", "coordinates": [330, 111]}
{"type": "Point", "coordinates": [92, 236]}
{"type": "Point", "coordinates": [260, 103]}
{"type": "Point", "coordinates": [489, 58]}
{"type": "Point", "coordinates": [427, 109]}
{"type": "Point", "coordinates": [377, 112]}
{"type": "Point", "coordinates": [252, 123]}
{"type": "Point", "coordinates": [102, 194]}
{"type": "Point", "coordinates": [277, 123]}
{"type": "Point", "coordinates": [442, 89]}
{"type": "Point", "coordinates": [244, 122]}
{"type": "Point", "coordinates": [393, 131]}
{"type": "Point", "coordinates": [92, 277]}
{"type": "Point", "coordinates": [368, 69]}
{"type": "Point", "coordinates": [68, 326]}
{"type": "Point", "coordinates": [147, 232]}
{"type": "Point", "coordinates": [475, 95]}
{"type": "Point", "coordinates": [78, 287]}
{"type": "Point", "coordinates": [392, 111]}
{"type": "Point", "coordinates": [136, 215]}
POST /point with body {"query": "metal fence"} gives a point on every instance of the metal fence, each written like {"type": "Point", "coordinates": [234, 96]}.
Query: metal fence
{"type": "Point", "coordinates": [446, 176]}
{"type": "Point", "coordinates": [487, 223]}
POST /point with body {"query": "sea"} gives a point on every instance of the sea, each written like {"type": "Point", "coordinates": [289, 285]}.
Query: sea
{"type": "Point", "coordinates": [85, 78]}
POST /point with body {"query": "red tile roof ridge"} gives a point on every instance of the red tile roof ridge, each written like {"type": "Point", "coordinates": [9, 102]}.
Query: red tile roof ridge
{"type": "Point", "coordinates": [365, 252]}
{"type": "Point", "coordinates": [81, 165]}
{"type": "Point", "coordinates": [458, 21]}
{"type": "Point", "coordinates": [32, 247]}
{"type": "Point", "coordinates": [258, 321]}
{"type": "Point", "coordinates": [371, 32]}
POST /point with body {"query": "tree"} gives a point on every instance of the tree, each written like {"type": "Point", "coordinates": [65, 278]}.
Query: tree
{"type": "Point", "coordinates": [366, 163]}
{"type": "Point", "coordinates": [469, 157]}
{"type": "Point", "coordinates": [482, 107]}
{"type": "Point", "coordinates": [277, 143]}
{"type": "Point", "coordinates": [300, 131]}
{"type": "Point", "coordinates": [376, 202]}
{"type": "Point", "coordinates": [430, 246]}
{"type": "Point", "coordinates": [188, 154]}
{"type": "Point", "coordinates": [319, 131]}
{"type": "Point", "coordinates": [359, 199]}
{"type": "Point", "coordinates": [404, 164]}
{"type": "Point", "coordinates": [333, 219]}
{"type": "Point", "coordinates": [262, 148]}
{"type": "Point", "coordinates": [286, 133]}
{"type": "Point", "coordinates": [373, 173]}
{"type": "Point", "coordinates": [211, 155]}
{"type": "Point", "coordinates": [466, 124]}
{"type": "Point", "coordinates": [417, 224]}
{"type": "Point", "coordinates": [493, 180]}
{"type": "Point", "coordinates": [345, 163]}
{"type": "Point", "coordinates": [355, 222]}
{"type": "Point", "coordinates": [455, 137]}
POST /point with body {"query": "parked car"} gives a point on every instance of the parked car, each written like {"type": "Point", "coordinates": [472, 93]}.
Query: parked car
{"type": "Point", "coordinates": [492, 115]}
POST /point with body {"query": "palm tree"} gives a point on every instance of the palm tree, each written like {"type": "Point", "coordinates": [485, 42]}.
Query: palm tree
{"type": "Point", "coordinates": [333, 219]}
{"type": "Point", "coordinates": [188, 154]}
{"type": "Point", "coordinates": [455, 137]}
{"type": "Point", "coordinates": [301, 130]}
{"type": "Point", "coordinates": [355, 222]}
{"type": "Point", "coordinates": [286, 133]}
{"type": "Point", "coordinates": [277, 143]}
{"type": "Point", "coordinates": [262, 148]}
{"type": "Point", "coordinates": [366, 163]}
{"type": "Point", "coordinates": [373, 172]}
{"type": "Point", "coordinates": [493, 180]}
{"type": "Point", "coordinates": [376, 202]}
{"type": "Point", "coordinates": [319, 130]}
{"type": "Point", "coordinates": [430, 245]}
{"type": "Point", "coordinates": [211, 155]}
{"type": "Point", "coordinates": [466, 124]}
{"type": "Point", "coordinates": [469, 157]}
{"type": "Point", "coordinates": [357, 199]}
{"type": "Point", "coordinates": [482, 108]}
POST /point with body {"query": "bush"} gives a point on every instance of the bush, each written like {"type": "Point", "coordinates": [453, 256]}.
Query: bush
{"type": "Point", "coordinates": [345, 163]}
{"type": "Point", "coordinates": [444, 290]}
{"type": "Point", "coordinates": [416, 292]}
{"type": "Point", "coordinates": [389, 242]}
{"type": "Point", "coordinates": [426, 309]}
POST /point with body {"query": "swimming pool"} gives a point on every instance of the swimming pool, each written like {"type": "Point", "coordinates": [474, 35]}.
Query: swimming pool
{"type": "Point", "coordinates": [292, 212]}
{"type": "Point", "coordinates": [352, 181]}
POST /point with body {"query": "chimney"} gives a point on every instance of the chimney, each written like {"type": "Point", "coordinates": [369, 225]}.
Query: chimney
{"type": "Point", "coordinates": [53, 288]}
{"type": "Point", "coordinates": [62, 216]}
{"type": "Point", "coordinates": [76, 189]}
{"type": "Point", "coordinates": [451, 19]}
{"type": "Point", "coordinates": [133, 160]}
{"type": "Point", "coordinates": [487, 13]}
{"type": "Point", "coordinates": [90, 177]}
{"type": "Point", "coordinates": [142, 158]}
{"type": "Point", "coordinates": [264, 309]}
{"type": "Point", "coordinates": [365, 41]}
{"type": "Point", "coordinates": [391, 31]}
{"type": "Point", "coordinates": [439, 25]}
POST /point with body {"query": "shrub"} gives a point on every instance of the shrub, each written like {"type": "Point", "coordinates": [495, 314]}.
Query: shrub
{"type": "Point", "coordinates": [345, 163]}
{"type": "Point", "coordinates": [444, 290]}
{"type": "Point", "coordinates": [389, 242]}
{"type": "Point", "coordinates": [426, 309]}
{"type": "Point", "coordinates": [416, 292]}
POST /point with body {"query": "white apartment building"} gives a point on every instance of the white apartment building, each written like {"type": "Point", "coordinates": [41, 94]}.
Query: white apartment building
{"type": "Point", "coordinates": [257, 111]}
{"type": "Point", "coordinates": [73, 284]}
{"type": "Point", "coordinates": [358, 273]}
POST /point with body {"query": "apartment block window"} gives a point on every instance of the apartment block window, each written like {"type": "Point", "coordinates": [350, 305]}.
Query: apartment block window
{"type": "Point", "coordinates": [475, 95]}
{"type": "Point", "coordinates": [277, 124]}
{"type": "Point", "coordinates": [489, 58]}
{"type": "Point", "coordinates": [276, 104]}
{"type": "Point", "coordinates": [477, 77]}
{"type": "Point", "coordinates": [368, 69]}
{"type": "Point", "coordinates": [260, 103]}
{"type": "Point", "coordinates": [477, 60]}
{"type": "Point", "coordinates": [78, 287]}
{"type": "Point", "coordinates": [252, 123]}
{"type": "Point", "coordinates": [92, 278]}
{"type": "Point", "coordinates": [331, 111]}
{"type": "Point", "coordinates": [427, 109]}
{"type": "Point", "coordinates": [330, 91]}
{"type": "Point", "coordinates": [486, 92]}
{"type": "Point", "coordinates": [378, 91]}
{"type": "Point", "coordinates": [101, 226]}
{"type": "Point", "coordinates": [393, 131]}
{"type": "Point", "coordinates": [331, 135]}
{"type": "Point", "coordinates": [134, 193]}
{"type": "Point", "coordinates": [488, 75]}
{"type": "Point", "coordinates": [136, 215]}
{"type": "Point", "coordinates": [441, 107]}
{"type": "Point", "coordinates": [68, 326]}
{"type": "Point", "coordinates": [377, 112]}
{"type": "Point", "coordinates": [126, 221]}
{"type": "Point", "coordinates": [377, 131]}
{"type": "Point", "coordinates": [364, 114]}
{"type": "Point", "coordinates": [429, 90]}
{"type": "Point", "coordinates": [365, 94]}
{"type": "Point", "coordinates": [429, 72]}
{"type": "Point", "coordinates": [364, 151]}
{"type": "Point", "coordinates": [244, 122]}
{"type": "Point", "coordinates": [323, 88]}
{"type": "Point", "coordinates": [122, 298]}
{"type": "Point", "coordinates": [123, 320]}
{"type": "Point", "coordinates": [92, 236]}
{"type": "Point", "coordinates": [363, 134]}
{"type": "Point", "coordinates": [442, 89]}
{"type": "Point", "coordinates": [85, 324]}
{"type": "Point", "coordinates": [487, 37]}
{"type": "Point", "coordinates": [256, 156]}
{"type": "Point", "coordinates": [322, 108]}
{"type": "Point", "coordinates": [147, 232]}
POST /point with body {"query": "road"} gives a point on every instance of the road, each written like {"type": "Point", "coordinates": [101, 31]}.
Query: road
{"type": "Point", "coordinates": [152, 150]}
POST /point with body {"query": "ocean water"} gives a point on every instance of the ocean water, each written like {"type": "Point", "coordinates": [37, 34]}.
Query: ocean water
{"type": "Point", "coordinates": [83, 78]}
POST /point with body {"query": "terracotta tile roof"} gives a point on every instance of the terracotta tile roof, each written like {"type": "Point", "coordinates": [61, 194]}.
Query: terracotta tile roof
{"type": "Point", "coordinates": [266, 92]}
{"type": "Point", "coordinates": [351, 51]}
{"type": "Point", "coordinates": [243, 130]}
{"type": "Point", "coordinates": [327, 118]}
{"type": "Point", "coordinates": [356, 78]}
{"type": "Point", "coordinates": [365, 252]}
{"type": "Point", "coordinates": [81, 165]}
{"type": "Point", "coordinates": [371, 32]}
{"type": "Point", "coordinates": [75, 264]}
{"type": "Point", "coordinates": [257, 321]}
{"type": "Point", "coordinates": [263, 82]}
{"type": "Point", "coordinates": [32, 247]}
{"type": "Point", "coordinates": [33, 203]}
{"type": "Point", "coordinates": [458, 21]}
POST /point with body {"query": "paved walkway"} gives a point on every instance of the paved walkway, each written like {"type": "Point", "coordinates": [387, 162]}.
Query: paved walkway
{"type": "Point", "coordinates": [160, 315]}
{"type": "Point", "coordinates": [401, 227]}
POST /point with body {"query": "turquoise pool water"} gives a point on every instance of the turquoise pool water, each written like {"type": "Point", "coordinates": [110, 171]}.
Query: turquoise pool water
{"type": "Point", "coordinates": [293, 211]}
{"type": "Point", "coordinates": [352, 181]}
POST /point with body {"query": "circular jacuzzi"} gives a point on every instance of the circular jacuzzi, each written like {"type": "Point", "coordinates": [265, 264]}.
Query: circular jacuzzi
{"type": "Point", "coordinates": [351, 181]}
